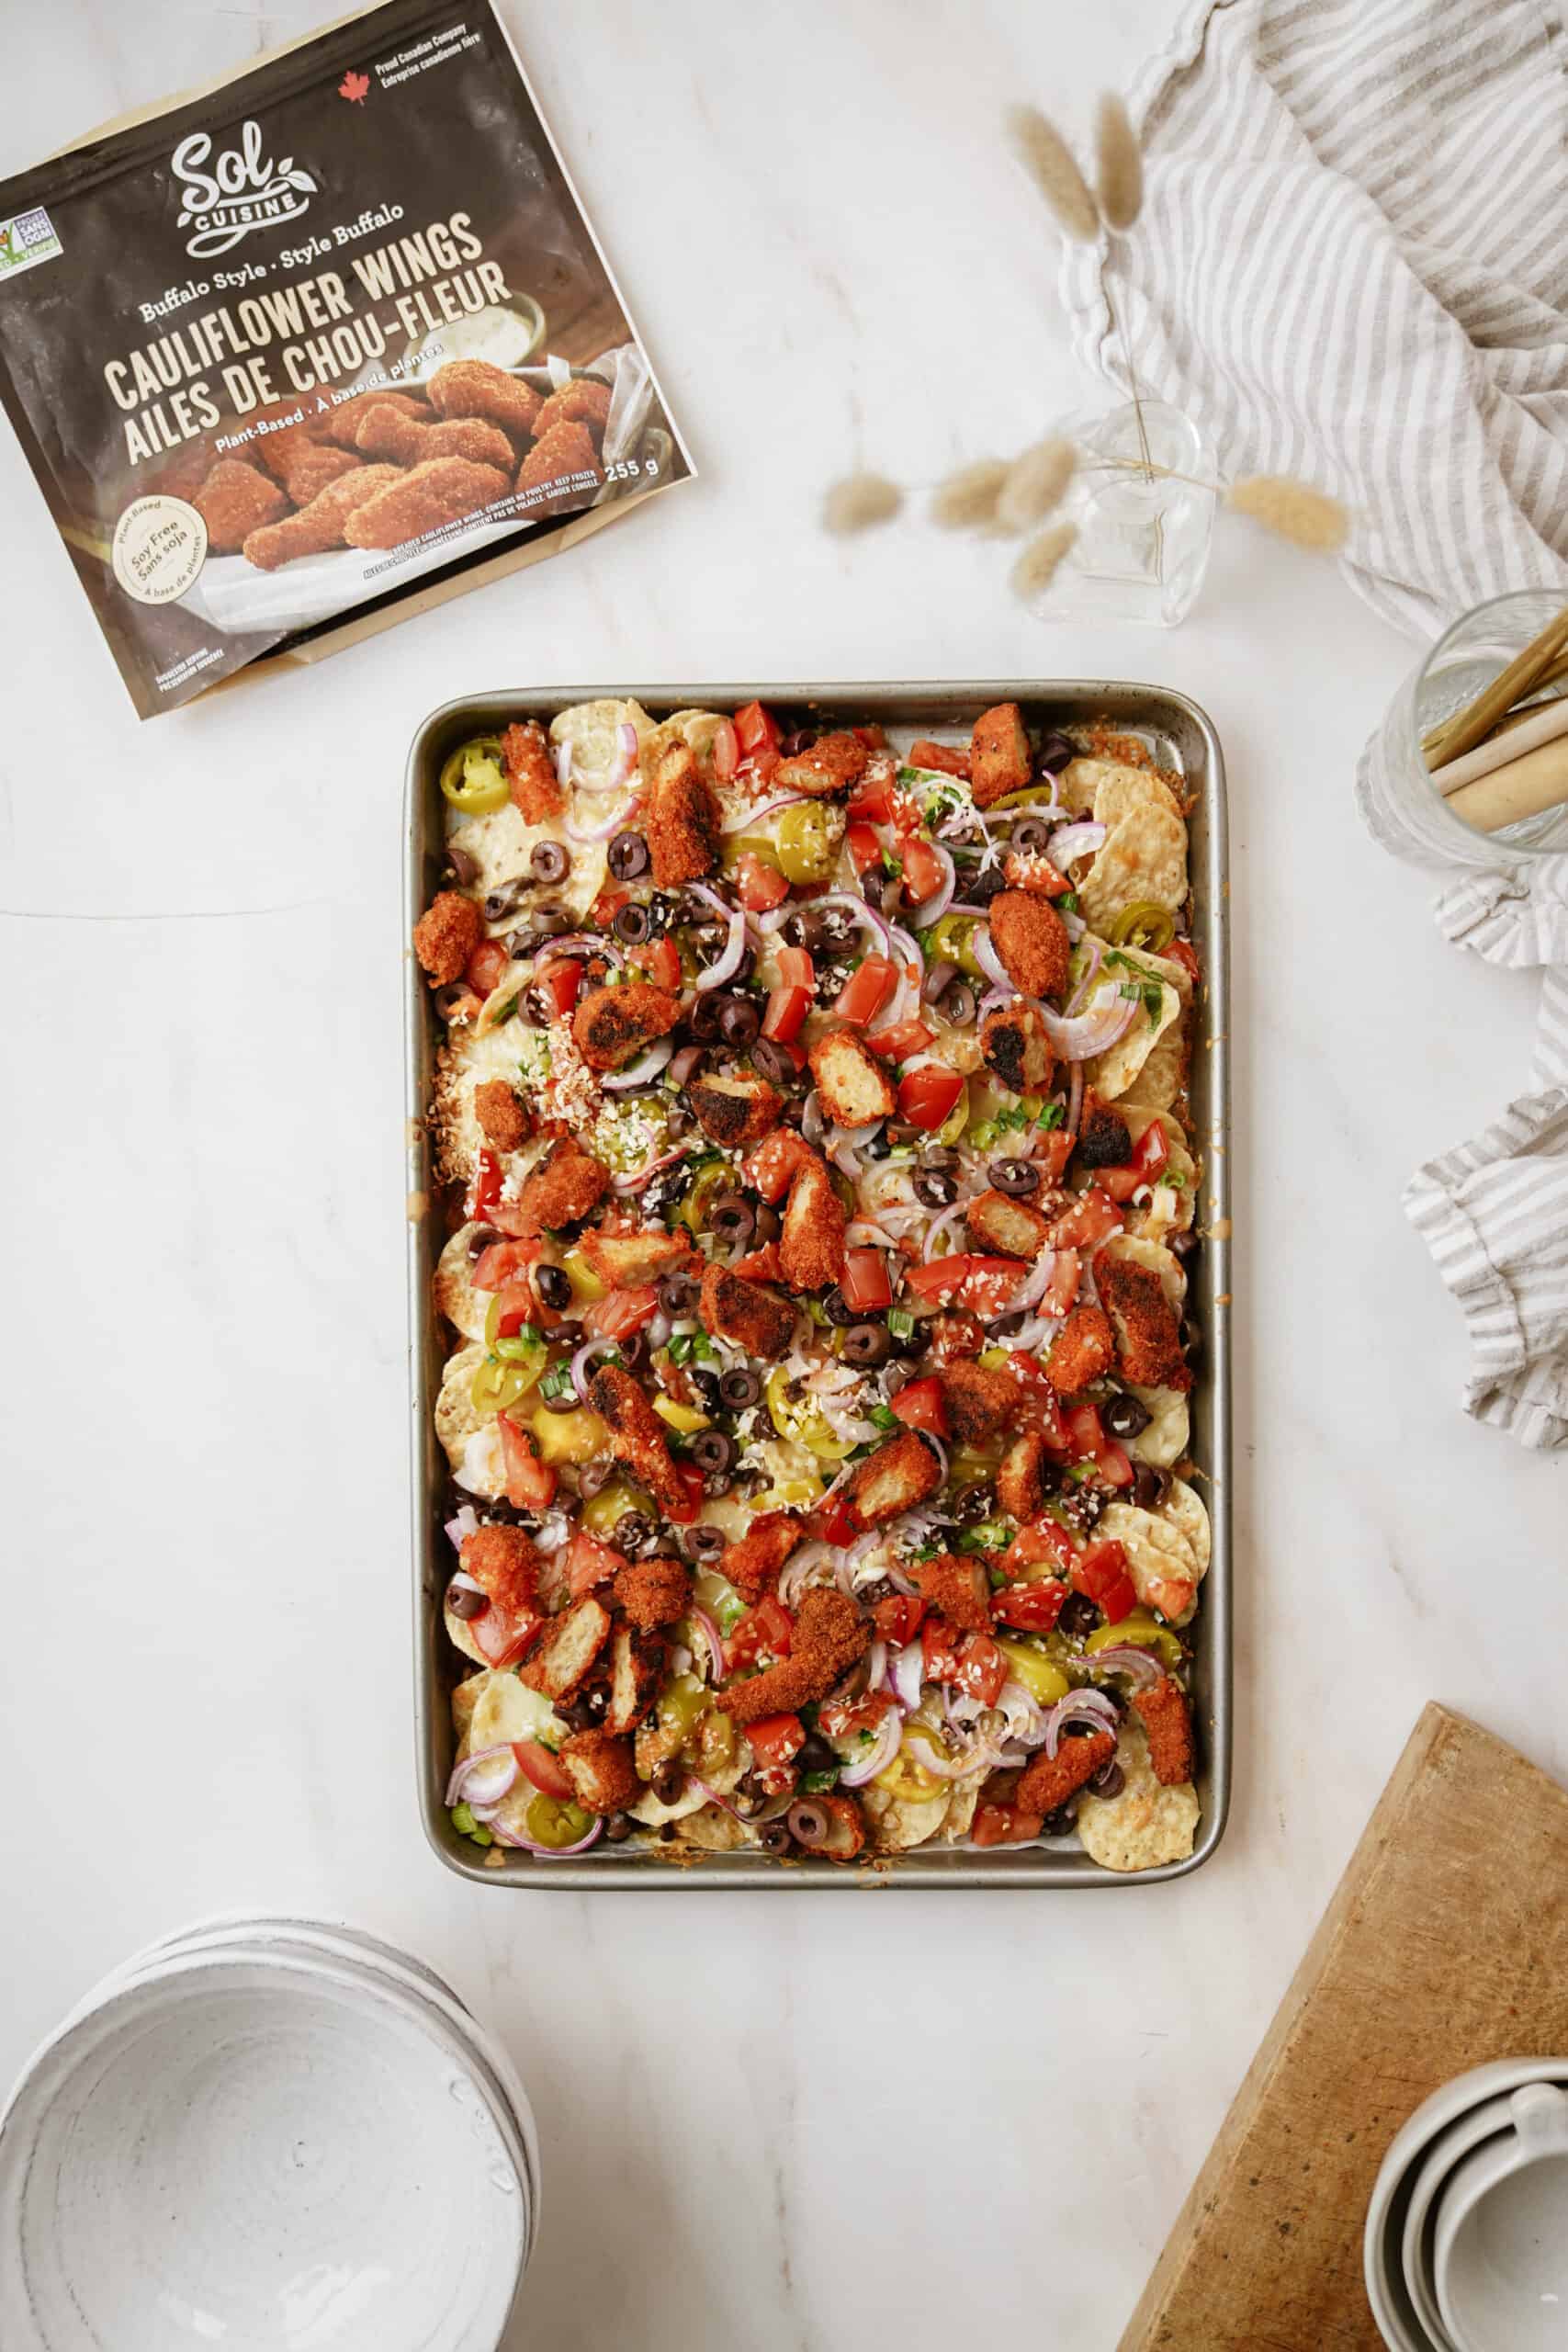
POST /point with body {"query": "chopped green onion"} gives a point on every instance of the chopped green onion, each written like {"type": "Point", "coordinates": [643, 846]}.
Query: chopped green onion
{"type": "Point", "coordinates": [884, 1416]}
{"type": "Point", "coordinates": [900, 1323]}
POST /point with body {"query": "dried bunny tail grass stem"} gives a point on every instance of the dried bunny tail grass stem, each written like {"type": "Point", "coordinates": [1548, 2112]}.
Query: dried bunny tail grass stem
{"type": "Point", "coordinates": [1036, 484]}
{"type": "Point", "coordinates": [1119, 165]}
{"type": "Point", "coordinates": [1037, 566]}
{"type": "Point", "coordinates": [1048, 160]}
{"type": "Point", "coordinates": [859, 502]}
{"type": "Point", "coordinates": [966, 500]}
{"type": "Point", "coordinates": [1309, 518]}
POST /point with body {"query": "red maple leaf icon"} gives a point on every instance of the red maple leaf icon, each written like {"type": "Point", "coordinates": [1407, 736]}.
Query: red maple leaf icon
{"type": "Point", "coordinates": [354, 88]}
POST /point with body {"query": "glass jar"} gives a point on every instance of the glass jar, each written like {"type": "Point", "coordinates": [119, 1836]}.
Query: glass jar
{"type": "Point", "coordinates": [1142, 530]}
{"type": "Point", "coordinates": [1400, 794]}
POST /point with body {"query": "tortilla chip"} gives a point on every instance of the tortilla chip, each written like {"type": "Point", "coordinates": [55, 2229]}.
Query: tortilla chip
{"type": "Point", "coordinates": [505, 1710]}
{"type": "Point", "coordinates": [895, 1824]}
{"type": "Point", "coordinates": [1162, 1076]}
{"type": "Point", "coordinates": [1158, 1556]}
{"type": "Point", "coordinates": [1171, 1208]}
{"type": "Point", "coordinates": [464, 1700]}
{"type": "Point", "coordinates": [960, 1813]}
{"type": "Point", "coordinates": [1080, 781]}
{"type": "Point", "coordinates": [456, 1419]}
{"type": "Point", "coordinates": [456, 1297]}
{"type": "Point", "coordinates": [1169, 1431]}
{"type": "Point", "coordinates": [696, 728]}
{"type": "Point", "coordinates": [1145, 1824]}
{"type": "Point", "coordinates": [594, 731]}
{"type": "Point", "coordinates": [713, 1830]}
{"type": "Point", "coordinates": [1142, 862]}
{"type": "Point", "coordinates": [1122, 790]}
{"type": "Point", "coordinates": [1187, 1510]}
{"type": "Point", "coordinates": [1115, 1071]}
{"type": "Point", "coordinates": [1158, 1260]}
{"type": "Point", "coordinates": [461, 1634]}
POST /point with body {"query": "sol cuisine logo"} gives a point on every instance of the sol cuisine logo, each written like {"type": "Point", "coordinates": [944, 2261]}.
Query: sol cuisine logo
{"type": "Point", "coordinates": [240, 192]}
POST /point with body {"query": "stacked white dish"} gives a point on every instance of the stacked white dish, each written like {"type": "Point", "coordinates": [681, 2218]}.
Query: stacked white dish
{"type": "Point", "coordinates": [1466, 2246]}
{"type": "Point", "coordinates": [265, 2134]}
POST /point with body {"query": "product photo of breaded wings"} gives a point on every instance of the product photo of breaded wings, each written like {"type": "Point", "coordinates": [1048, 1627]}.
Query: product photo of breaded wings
{"type": "Point", "coordinates": [320, 526]}
{"type": "Point", "coordinates": [476, 387]}
{"type": "Point", "coordinates": [440, 490]}
{"type": "Point", "coordinates": [404, 440]}
{"type": "Point", "coordinates": [234, 501]}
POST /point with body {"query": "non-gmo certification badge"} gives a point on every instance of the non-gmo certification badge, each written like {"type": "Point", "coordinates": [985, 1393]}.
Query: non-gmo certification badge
{"type": "Point", "coordinates": [160, 545]}
{"type": "Point", "coordinates": [26, 240]}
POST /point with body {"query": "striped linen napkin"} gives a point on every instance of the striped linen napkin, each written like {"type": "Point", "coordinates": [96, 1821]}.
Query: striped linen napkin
{"type": "Point", "coordinates": [1351, 268]}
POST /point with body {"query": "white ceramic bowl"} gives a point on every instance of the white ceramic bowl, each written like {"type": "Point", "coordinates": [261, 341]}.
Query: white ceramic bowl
{"type": "Point", "coordinates": [261, 2154]}
{"type": "Point", "coordinates": [1500, 2262]}
{"type": "Point", "coordinates": [1473, 2130]}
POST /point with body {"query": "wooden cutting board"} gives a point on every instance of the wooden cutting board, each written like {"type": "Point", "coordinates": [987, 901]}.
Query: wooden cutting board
{"type": "Point", "coordinates": [1445, 1945]}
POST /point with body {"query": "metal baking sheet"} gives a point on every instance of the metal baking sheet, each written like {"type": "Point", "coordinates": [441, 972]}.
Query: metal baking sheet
{"type": "Point", "coordinates": [1181, 737]}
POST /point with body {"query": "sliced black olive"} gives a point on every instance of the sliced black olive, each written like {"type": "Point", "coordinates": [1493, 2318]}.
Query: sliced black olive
{"type": "Point", "coordinates": [867, 1343]}
{"type": "Point", "coordinates": [1192, 1337]}
{"type": "Point", "coordinates": [801, 741]}
{"type": "Point", "coordinates": [1150, 1486]}
{"type": "Point", "coordinates": [464, 866]}
{"type": "Point", "coordinates": [877, 1147]}
{"type": "Point", "coordinates": [803, 927]}
{"type": "Point", "coordinates": [551, 860]}
{"type": "Point", "coordinates": [837, 1308]}
{"type": "Point", "coordinates": [618, 1827]}
{"type": "Point", "coordinates": [1183, 1245]}
{"type": "Point", "coordinates": [1125, 1416]}
{"type": "Point", "coordinates": [770, 1224]}
{"type": "Point", "coordinates": [705, 1542]}
{"type": "Point", "coordinates": [480, 1239]}
{"type": "Point", "coordinates": [740, 1388]}
{"type": "Point", "coordinates": [464, 1603]}
{"type": "Point", "coordinates": [774, 1837]}
{"type": "Point", "coordinates": [730, 1217]}
{"type": "Point", "coordinates": [939, 978]}
{"type": "Point", "coordinates": [1110, 1780]}
{"type": "Point", "coordinates": [712, 1451]}
{"type": "Point", "coordinates": [593, 1477]}
{"type": "Point", "coordinates": [627, 856]}
{"type": "Point", "coordinates": [634, 1350]}
{"type": "Point", "coordinates": [985, 887]}
{"type": "Point", "coordinates": [1032, 835]}
{"type": "Point", "coordinates": [706, 1382]}
{"type": "Point", "coordinates": [1017, 1177]}
{"type": "Point", "coordinates": [706, 1015]}
{"type": "Point", "coordinates": [769, 1060]}
{"type": "Point", "coordinates": [816, 1755]}
{"type": "Point", "coordinates": [554, 1285]}
{"type": "Point", "coordinates": [632, 1531]}
{"type": "Point", "coordinates": [935, 1189]}
{"type": "Point", "coordinates": [959, 1005]}
{"type": "Point", "coordinates": [1056, 752]}
{"type": "Point", "coordinates": [449, 998]}
{"type": "Point", "coordinates": [506, 900]}
{"type": "Point", "coordinates": [807, 1823]}
{"type": "Point", "coordinates": [739, 1021]}
{"type": "Point", "coordinates": [977, 1504]}
{"type": "Point", "coordinates": [1079, 1616]}
{"type": "Point", "coordinates": [670, 1781]}
{"type": "Point", "coordinates": [631, 924]}
{"type": "Point", "coordinates": [676, 1294]}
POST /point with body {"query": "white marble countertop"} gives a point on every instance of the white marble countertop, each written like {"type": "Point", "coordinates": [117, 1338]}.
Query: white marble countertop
{"type": "Point", "coordinates": [780, 2122]}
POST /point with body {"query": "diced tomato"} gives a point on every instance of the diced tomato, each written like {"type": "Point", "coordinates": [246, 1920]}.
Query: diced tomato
{"type": "Point", "coordinates": [841, 1718]}
{"type": "Point", "coordinates": [502, 1636]}
{"type": "Point", "coordinates": [725, 750]}
{"type": "Point", "coordinates": [662, 963]}
{"type": "Point", "coordinates": [898, 1618]}
{"type": "Point", "coordinates": [982, 1668]}
{"type": "Point", "coordinates": [924, 873]}
{"type": "Point", "coordinates": [939, 756]}
{"type": "Point", "coordinates": [990, 1284]}
{"type": "Point", "coordinates": [770, 1168]}
{"type": "Point", "coordinates": [1029, 1608]}
{"type": "Point", "coordinates": [775, 1741]}
{"type": "Point", "coordinates": [763, 763]}
{"type": "Point", "coordinates": [1039, 1406]}
{"type": "Point", "coordinates": [864, 847]}
{"type": "Point", "coordinates": [507, 1218]}
{"type": "Point", "coordinates": [1043, 1539]}
{"type": "Point", "coordinates": [1003, 1824]}
{"type": "Point", "coordinates": [530, 1483]}
{"type": "Point", "coordinates": [503, 1263]}
{"type": "Point", "coordinates": [544, 1767]}
{"type": "Point", "coordinates": [621, 1312]}
{"type": "Point", "coordinates": [1092, 1219]}
{"type": "Point", "coordinates": [865, 1282]}
{"type": "Point", "coordinates": [928, 1096]}
{"type": "Point", "coordinates": [940, 1277]}
{"type": "Point", "coordinates": [756, 730]}
{"type": "Point", "coordinates": [1181, 952]}
{"type": "Point", "coordinates": [607, 905]}
{"type": "Point", "coordinates": [786, 1016]}
{"type": "Point", "coordinates": [564, 980]}
{"type": "Point", "coordinates": [1113, 1464]}
{"type": "Point", "coordinates": [874, 737]}
{"type": "Point", "coordinates": [905, 1038]}
{"type": "Point", "coordinates": [588, 1563]}
{"type": "Point", "coordinates": [694, 1486]}
{"type": "Point", "coordinates": [919, 1406]}
{"type": "Point", "coordinates": [764, 1631]}
{"type": "Point", "coordinates": [485, 1190]}
{"type": "Point", "coordinates": [1151, 1156]}
{"type": "Point", "coordinates": [1101, 1574]}
{"type": "Point", "coordinates": [1119, 1183]}
{"type": "Point", "coordinates": [1052, 1153]}
{"type": "Point", "coordinates": [875, 804]}
{"type": "Point", "coordinates": [515, 1306]}
{"type": "Point", "coordinates": [486, 965]}
{"type": "Point", "coordinates": [1084, 1436]}
{"type": "Point", "coordinates": [759, 1265]}
{"type": "Point", "coordinates": [866, 990]}
{"type": "Point", "coordinates": [939, 1650]}
{"type": "Point", "coordinates": [759, 886]}
{"type": "Point", "coordinates": [796, 970]}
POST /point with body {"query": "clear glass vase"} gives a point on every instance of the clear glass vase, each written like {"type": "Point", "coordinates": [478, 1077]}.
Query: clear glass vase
{"type": "Point", "coordinates": [1143, 534]}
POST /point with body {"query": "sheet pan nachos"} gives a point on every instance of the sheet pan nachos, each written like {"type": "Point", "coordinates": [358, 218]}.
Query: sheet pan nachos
{"type": "Point", "coordinates": [811, 1117]}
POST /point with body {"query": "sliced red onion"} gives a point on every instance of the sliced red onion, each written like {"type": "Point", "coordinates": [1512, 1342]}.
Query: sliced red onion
{"type": "Point", "coordinates": [769, 808]}
{"type": "Point", "coordinates": [647, 1066]}
{"type": "Point", "coordinates": [994, 1000]}
{"type": "Point", "coordinates": [711, 1795]}
{"type": "Point", "coordinates": [862, 913]}
{"type": "Point", "coordinates": [908, 1674]}
{"type": "Point", "coordinates": [1090, 1707]}
{"type": "Point", "coordinates": [792, 1581]}
{"type": "Point", "coordinates": [580, 1362]}
{"type": "Point", "coordinates": [1074, 925]}
{"type": "Point", "coordinates": [940, 1451]}
{"type": "Point", "coordinates": [483, 1778]}
{"type": "Point", "coordinates": [641, 1176]}
{"type": "Point", "coordinates": [863, 1234]}
{"type": "Point", "coordinates": [628, 738]}
{"type": "Point", "coordinates": [729, 963]}
{"type": "Point", "coordinates": [990, 963]}
{"type": "Point", "coordinates": [932, 909]}
{"type": "Point", "coordinates": [579, 942]}
{"type": "Point", "coordinates": [1093, 1031]}
{"type": "Point", "coordinates": [504, 1837]}
{"type": "Point", "coordinates": [946, 1768]}
{"type": "Point", "coordinates": [700, 1622]}
{"type": "Point", "coordinates": [813, 1126]}
{"type": "Point", "coordinates": [1075, 1097]}
{"type": "Point", "coordinates": [1127, 1657]}
{"type": "Point", "coordinates": [1070, 841]}
{"type": "Point", "coordinates": [912, 969]}
{"type": "Point", "coordinates": [563, 761]}
{"type": "Point", "coordinates": [1091, 962]}
{"type": "Point", "coordinates": [876, 1665]}
{"type": "Point", "coordinates": [1036, 1283]}
{"type": "Point", "coordinates": [465, 1524]}
{"type": "Point", "coordinates": [969, 906]}
{"type": "Point", "coordinates": [878, 1757]}
{"type": "Point", "coordinates": [939, 1226]}
{"type": "Point", "coordinates": [721, 907]}
{"type": "Point", "coordinates": [593, 833]}
{"type": "Point", "coordinates": [683, 1063]}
